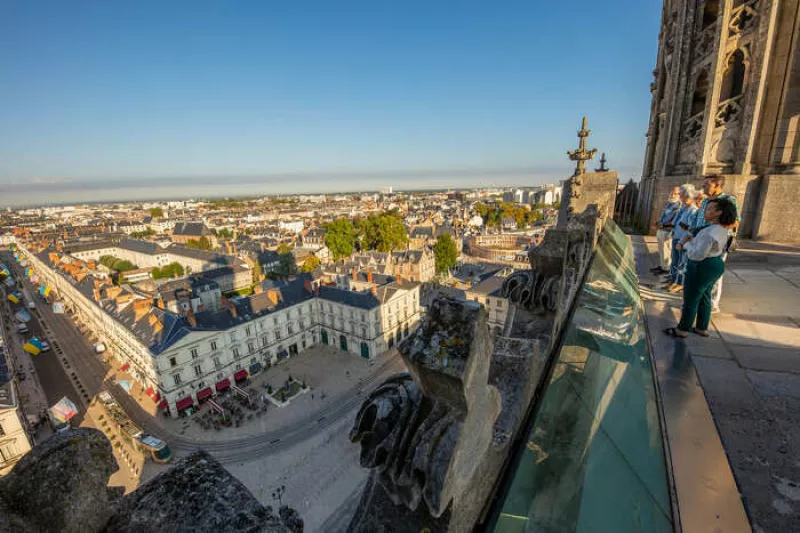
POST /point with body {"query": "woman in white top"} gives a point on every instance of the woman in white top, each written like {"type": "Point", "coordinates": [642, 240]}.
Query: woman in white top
{"type": "Point", "coordinates": [704, 268]}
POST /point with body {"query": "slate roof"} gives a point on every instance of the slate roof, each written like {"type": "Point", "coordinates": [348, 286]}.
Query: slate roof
{"type": "Point", "coordinates": [190, 229]}
{"type": "Point", "coordinates": [490, 286]}
{"type": "Point", "coordinates": [421, 232]}
{"type": "Point", "coordinates": [362, 300]}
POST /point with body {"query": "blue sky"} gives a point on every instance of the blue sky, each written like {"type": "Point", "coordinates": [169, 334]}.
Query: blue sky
{"type": "Point", "coordinates": [296, 96]}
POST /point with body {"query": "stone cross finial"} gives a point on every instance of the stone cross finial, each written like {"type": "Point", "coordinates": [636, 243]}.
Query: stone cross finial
{"type": "Point", "coordinates": [581, 155]}
{"type": "Point", "coordinates": [603, 162]}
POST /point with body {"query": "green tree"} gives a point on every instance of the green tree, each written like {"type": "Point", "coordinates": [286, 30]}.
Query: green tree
{"type": "Point", "coordinates": [445, 252]}
{"type": "Point", "coordinates": [156, 212]}
{"type": "Point", "coordinates": [340, 238]}
{"type": "Point", "coordinates": [202, 244]}
{"type": "Point", "coordinates": [258, 272]}
{"type": "Point", "coordinates": [384, 232]}
{"type": "Point", "coordinates": [310, 264]}
{"type": "Point", "coordinates": [167, 271]}
{"type": "Point", "coordinates": [284, 248]}
{"type": "Point", "coordinates": [287, 265]}
{"type": "Point", "coordinates": [141, 234]}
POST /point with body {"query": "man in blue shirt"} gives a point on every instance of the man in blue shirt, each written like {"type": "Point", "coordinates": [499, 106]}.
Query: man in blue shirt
{"type": "Point", "coordinates": [664, 233]}
{"type": "Point", "coordinates": [713, 187]}
{"type": "Point", "coordinates": [681, 227]}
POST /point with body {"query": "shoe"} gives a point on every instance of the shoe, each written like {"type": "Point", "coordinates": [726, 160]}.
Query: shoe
{"type": "Point", "coordinates": [675, 288]}
{"type": "Point", "coordinates": [715, 310]}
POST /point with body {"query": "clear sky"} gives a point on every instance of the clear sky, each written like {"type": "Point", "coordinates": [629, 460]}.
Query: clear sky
{"type": "Point", "coordinates": [123, 99]}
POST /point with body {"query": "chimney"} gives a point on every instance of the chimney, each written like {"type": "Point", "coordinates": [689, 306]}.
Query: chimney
{"type": "Point", "coordinates": [274, 296]}
{"type": "Point", "coordinates": [374, 290]}
{"type": "Point", "coordinates": [232, 309]}
{"type": "Point", "coordinates": [191, 318]}
{"type": "Point", "coordinates": [369, 275]}
{"type": "Point", "coordinates": [355, 274]}
{"type": "Point", "coordinates": [399, 279]}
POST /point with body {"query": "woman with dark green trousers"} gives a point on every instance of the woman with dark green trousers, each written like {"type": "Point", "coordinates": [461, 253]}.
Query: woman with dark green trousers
{"type": "Point", "coordinates": [704, 268]}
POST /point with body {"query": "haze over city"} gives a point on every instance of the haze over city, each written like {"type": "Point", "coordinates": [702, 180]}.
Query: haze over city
{"type": "Point", "coordinates": [256, 97]}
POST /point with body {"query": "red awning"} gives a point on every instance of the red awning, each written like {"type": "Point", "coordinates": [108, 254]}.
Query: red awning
{"type": "Point", "coordinates": [205, 393]}
{"type": "Point", "coordinates": [125, 367]}
{"type": "Point", "coordinates": [240, 375]}
{"type": "Point", "coordinates": [184, 403]}
{"type": "Point", "coordinates": [163, 405]}
{"type": "Point", "coordinates": [224, 384]}
{"type": "Point", "coordinates": [149, 391]}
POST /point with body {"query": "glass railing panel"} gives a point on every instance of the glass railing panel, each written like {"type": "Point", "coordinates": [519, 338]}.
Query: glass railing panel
{"type": "Point", "coordinates": [594, 459]}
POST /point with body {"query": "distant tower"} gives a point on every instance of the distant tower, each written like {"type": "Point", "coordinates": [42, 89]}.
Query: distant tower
{"type": "Point", "coordinates": [726, 100]}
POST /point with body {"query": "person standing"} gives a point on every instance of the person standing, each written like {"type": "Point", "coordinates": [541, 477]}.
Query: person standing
{"type": "Point", "coordinates": [704, 267]}
{"type": "Point", "coordinates": [664, 233]}
{"type": "Point", "coordinates": [680, 229]}
{"type": "Point", "coordinates": [713, 187]}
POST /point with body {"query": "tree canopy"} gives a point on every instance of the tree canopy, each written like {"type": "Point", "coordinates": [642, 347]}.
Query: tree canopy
{"type": "Point", "coordinates": [156, 212]}
{"type": "Point", "coordinates": [310, 264]}
{"type": "Point", "coordinates": [382, 232]}
{"type": "Point", "coordinates": [445, 252]}
{"type": "Point", "coordinates": [340, 238]}
{"type": "Point", "coordinates": [115, 263]}
{"type": "Point", "coordinates": [494, 215]}
{"type": "Point", "coordinates": [258, 272]}
{"type": "Point", "coordinates": [202, 244]}
{"type": "Point", "coordinates": [146, 233]}
{"type": "Point", "coordinates": [284, 248]}
{"type": "Point", "coordinates": [287, 265]}
{"type": "Point", "coordinates": [167, 271]}
{"type": "Point", "coordinates": [223, 233]}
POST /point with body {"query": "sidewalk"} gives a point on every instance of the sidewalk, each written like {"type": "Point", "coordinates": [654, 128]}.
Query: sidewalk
{"type": "Point", "coordinates": [749, 374]}
{"type": "Point", "coordinates": [33, 402]}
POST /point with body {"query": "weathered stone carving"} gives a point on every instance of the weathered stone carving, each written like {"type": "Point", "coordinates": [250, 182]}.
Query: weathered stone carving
{"type": "Point", "coordinates": [728, 112]}
{"type": "Point", "coordinates": [422, 437]}
{"type": "Point", "coordinates": [62, 486]}
{"type": "Point", "coordinates": [743, 18]}
{"type": "Point", "coordinates": [704, 43]}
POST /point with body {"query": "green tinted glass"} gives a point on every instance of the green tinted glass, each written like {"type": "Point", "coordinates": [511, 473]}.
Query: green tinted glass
{"type": "Point", "coordinates": [594, 460]}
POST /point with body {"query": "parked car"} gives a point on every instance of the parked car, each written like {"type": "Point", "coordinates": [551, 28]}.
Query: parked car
{"type": "Point", "coordinates": [45, 345]}
{"type": "Point", "coordinates": [22, 328]}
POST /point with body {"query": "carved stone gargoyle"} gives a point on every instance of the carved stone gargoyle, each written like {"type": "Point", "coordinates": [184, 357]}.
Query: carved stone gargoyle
{"type": "Point", "coordinates": [425, 437]}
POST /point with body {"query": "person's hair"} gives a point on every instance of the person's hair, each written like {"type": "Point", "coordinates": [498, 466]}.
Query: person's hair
{"type": "Point", "coordinates": [727, 215]}
{"type": "Point", "coordinates": [687, 189]}
{"type": "Point", "coordinates": [717, 179]}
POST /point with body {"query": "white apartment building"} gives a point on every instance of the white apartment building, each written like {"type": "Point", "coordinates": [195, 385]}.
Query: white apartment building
{"type": "Point", "coordinates": [183, 360]}
{"type": "Point", "coordinates": [295, 226]}
{"type": "Point", "coordinates": [14, 442]}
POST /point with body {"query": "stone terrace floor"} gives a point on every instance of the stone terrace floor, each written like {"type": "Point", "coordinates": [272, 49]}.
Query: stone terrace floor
{"type": "Point", "coordinates": [749, 374]}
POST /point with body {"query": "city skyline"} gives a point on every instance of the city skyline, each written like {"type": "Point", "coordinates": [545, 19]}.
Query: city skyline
{"type": "Point", "coordinates": [107, 94]}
